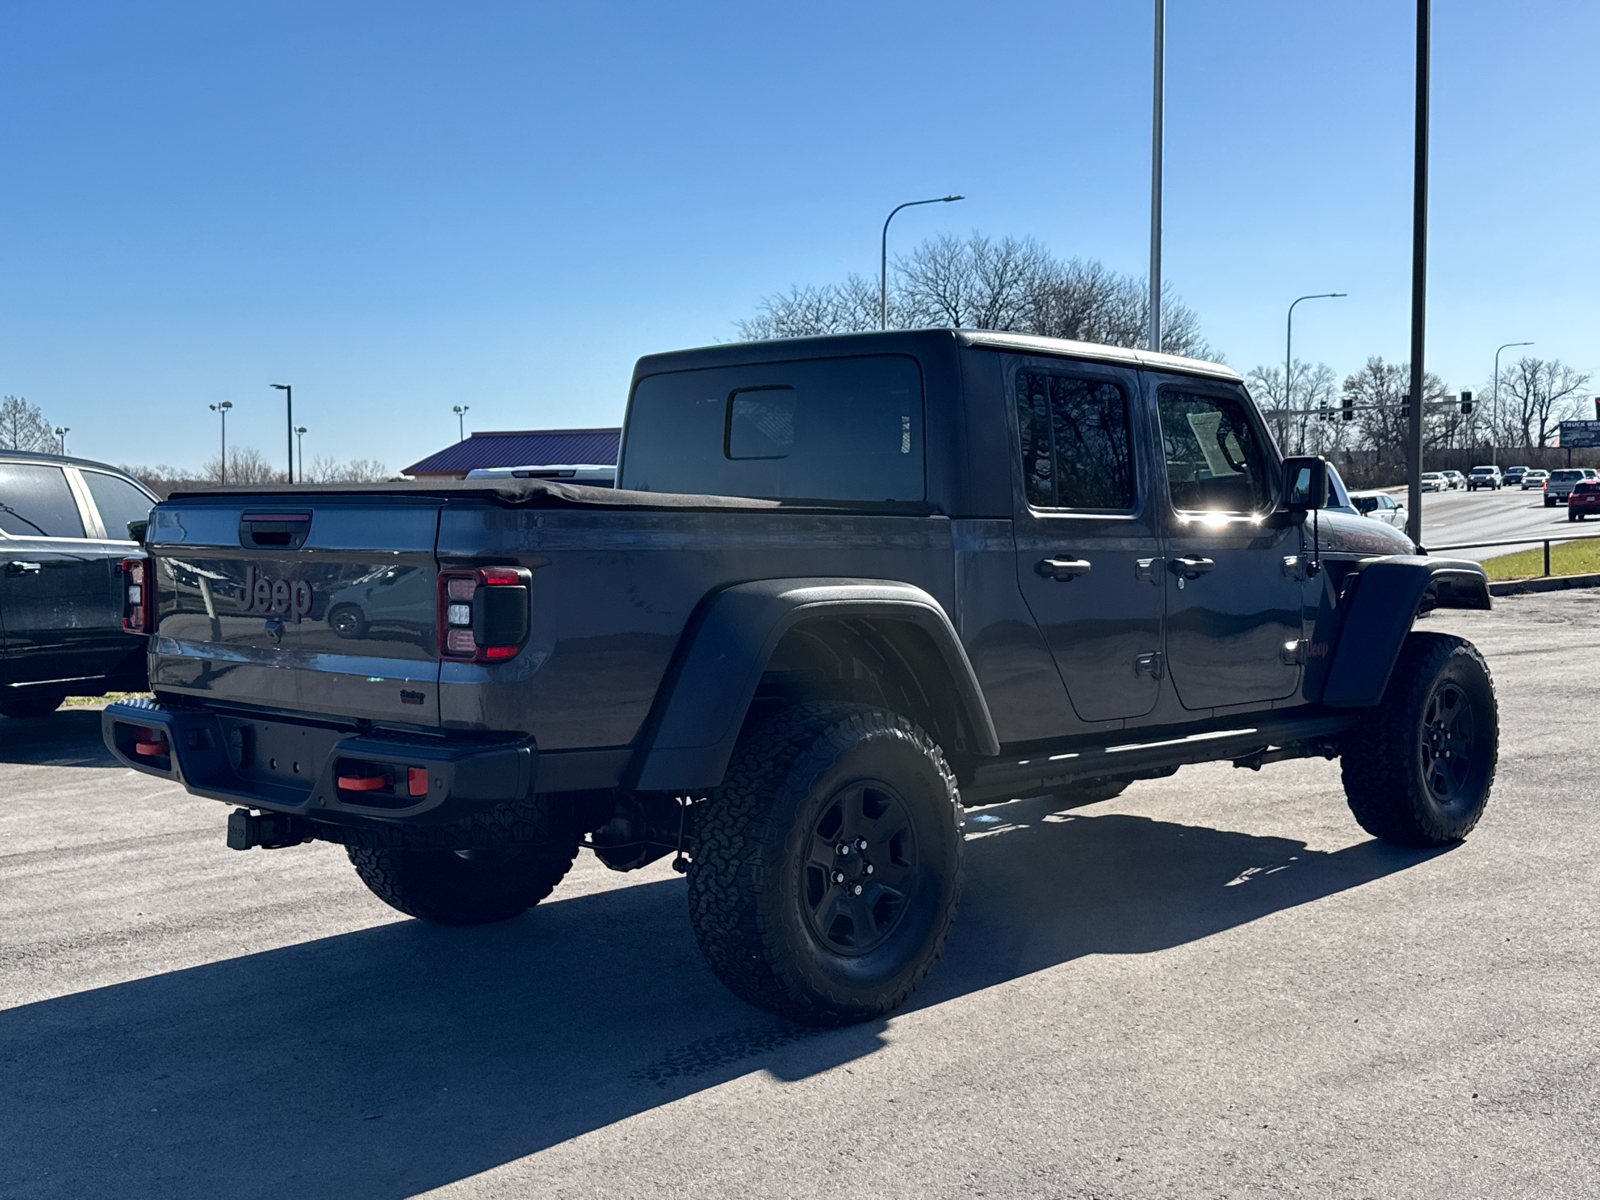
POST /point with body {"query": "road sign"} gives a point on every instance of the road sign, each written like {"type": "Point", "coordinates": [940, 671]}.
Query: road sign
{"type": "Point", "coordinates": [1580, 435]}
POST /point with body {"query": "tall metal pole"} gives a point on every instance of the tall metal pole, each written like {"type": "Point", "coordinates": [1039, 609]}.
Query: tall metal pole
{"type": "Point", "coordinates": [1158, 121]}
{"type": "Point", "coordinates": [1419, 277]}
{"type": "Point", "coordinates": [460, 411]}
{"type": "Point", "coordinates": [300, 436]}
{"type": "Point", "coordinates": [883, 254]}
{"type": "Point", "coordinates": [1495, 432]}
{"type": "Point", "coordinates": [288, 395]}
{"type": "Point", "coordinates": [222, 411]}
{"type": "Point", "coordinates": [1288, 350]}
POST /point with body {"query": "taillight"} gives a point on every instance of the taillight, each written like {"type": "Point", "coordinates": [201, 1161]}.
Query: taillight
{"type": "Point", "coordinates": [483, 613]}
{"type": "Point", "coordinates": [1544, 485]}
{"type": "Point", "coordinates": [138, 605]}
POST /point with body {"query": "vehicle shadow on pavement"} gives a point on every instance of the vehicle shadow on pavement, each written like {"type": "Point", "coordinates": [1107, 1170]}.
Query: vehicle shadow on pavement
{"type": "Point", "coordinates": [68, 738]}
{"type": "Point", "coordinates": [399, 1058]}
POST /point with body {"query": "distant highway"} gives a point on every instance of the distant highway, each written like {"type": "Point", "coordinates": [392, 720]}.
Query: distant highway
{"type": "Point", "coordinates": [1454, 518]}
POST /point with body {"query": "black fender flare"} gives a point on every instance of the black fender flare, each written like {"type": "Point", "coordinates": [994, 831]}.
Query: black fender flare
{"type": "Point", "coordinates": [1386, 596]}
{"type": "Point", "coordinates": [726, 647]}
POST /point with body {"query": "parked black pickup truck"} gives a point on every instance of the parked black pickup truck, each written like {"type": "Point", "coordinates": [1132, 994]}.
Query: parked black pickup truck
{"type": "Point", "coordinates": [844, 585]}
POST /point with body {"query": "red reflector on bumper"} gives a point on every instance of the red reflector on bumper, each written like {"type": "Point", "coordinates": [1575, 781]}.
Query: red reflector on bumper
{"type": "Point", "coordinates": [417, 781]}
{"type": "Point", "coordinates": [363, 783]}
{"type": "Point", "coordinates": [151, 749]}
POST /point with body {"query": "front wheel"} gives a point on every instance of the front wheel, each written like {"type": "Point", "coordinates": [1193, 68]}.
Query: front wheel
{"type": "Point", "coordinates": [1418, 768]}
{"type": "Point", "coordinates": [828, 864]}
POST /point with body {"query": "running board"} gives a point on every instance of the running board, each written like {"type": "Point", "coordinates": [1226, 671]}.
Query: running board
{"type": "Point", "coordinates": [1267, 741]}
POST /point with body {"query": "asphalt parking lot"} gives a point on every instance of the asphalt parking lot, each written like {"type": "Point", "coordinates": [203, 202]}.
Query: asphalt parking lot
{"type": "Point", "coordinates": [1214, 986]}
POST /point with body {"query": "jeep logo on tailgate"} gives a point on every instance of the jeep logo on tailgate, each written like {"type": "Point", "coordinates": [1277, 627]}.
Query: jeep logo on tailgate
{"type": "Point", "coordinates": [274, 597]}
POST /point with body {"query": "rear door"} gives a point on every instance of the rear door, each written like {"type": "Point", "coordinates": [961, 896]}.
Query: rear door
{"type": "Point", "coordinates": [1087, 548]}
{"type": "Point", "coordinates": [312, 605]}
{"type": "Point", "coordinates": [1233, 592]}
{"type": "Point", "coordinates": [58, 590]}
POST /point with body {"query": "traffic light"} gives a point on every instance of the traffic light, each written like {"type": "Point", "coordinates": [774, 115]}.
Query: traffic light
{"type": "Point", "coordinates": [1466, 403]}
{"type": "Point", "coordinates": [1349, 413]}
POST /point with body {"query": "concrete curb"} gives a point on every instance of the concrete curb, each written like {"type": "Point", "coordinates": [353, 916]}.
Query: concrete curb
{"type": "Point", "coordinates": [1543, 583]}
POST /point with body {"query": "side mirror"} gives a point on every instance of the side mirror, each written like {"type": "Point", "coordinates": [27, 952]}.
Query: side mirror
{"type": "Point", "coordinates": [137, 530]}
{"type": "Point", "coordinates": [1305, 484]}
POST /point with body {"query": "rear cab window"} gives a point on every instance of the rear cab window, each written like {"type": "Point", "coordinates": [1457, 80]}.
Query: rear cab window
{"type": "Point", "coordinates": [821, 429]}
{"type": "Point", "coordinates": [1076, 442]}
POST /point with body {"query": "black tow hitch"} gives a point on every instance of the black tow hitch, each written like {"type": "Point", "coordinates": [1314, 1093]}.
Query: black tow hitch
{"type": "Point", "coordinates": [269, 830]}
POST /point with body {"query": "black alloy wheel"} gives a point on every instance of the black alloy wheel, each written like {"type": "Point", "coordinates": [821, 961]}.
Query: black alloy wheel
{"type": "Point", "coordinates": [347, 621]}
{"type": "Point", "coordinates": [862, 872]}
{"type": "Point", "coordinates": [1449, 749]}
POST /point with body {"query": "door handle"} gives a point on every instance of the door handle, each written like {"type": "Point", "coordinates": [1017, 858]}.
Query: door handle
{"type": "Point", "coordinates": [17, 567]}
{"type": "Point", "coordinates": [1190, 566]}
{"type": "Point", "coordinates": [1147, 570]}
{"type": "Point", "coordinates": [1063, 570]}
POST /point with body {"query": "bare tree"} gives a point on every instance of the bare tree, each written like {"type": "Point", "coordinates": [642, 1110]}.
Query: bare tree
{"type": "Point", "coordinates": [1537, 395]}
{"type": "Point", "coordinates": [23, 427]}
{"type": "Point", "coordinates": [1300, 430]}
{"type": "Point", "coordinates": [1012, 284]}
{"type": "Point", "coordinates": [246, 464]}
{"type": "Point", "coordinates": [324, 469]}
{"type": "Point", "coordinates": [1380, 389]}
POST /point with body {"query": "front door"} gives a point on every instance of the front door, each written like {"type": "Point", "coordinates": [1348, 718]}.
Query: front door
{"type": "Point", "coordinates": [1087, 548]}
{"type": "Point", "coordinates": [1232, 578]}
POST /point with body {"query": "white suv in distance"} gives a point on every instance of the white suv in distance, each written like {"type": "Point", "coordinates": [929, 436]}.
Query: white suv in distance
{"type": "Point", "coordinates": [1488, 477]}
{"type": "Point", "coordinates": [1534, 478]}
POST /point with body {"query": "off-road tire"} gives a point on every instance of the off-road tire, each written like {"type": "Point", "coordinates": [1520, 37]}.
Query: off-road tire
{"type": "Point", "coordinates": [753, 881]}
{"type": "Point", "coordinates": [27, 705]}
{"type": "Point", "coordinates": [1396, 782]}
{"type": "Point", "coordinates": [465, 887]}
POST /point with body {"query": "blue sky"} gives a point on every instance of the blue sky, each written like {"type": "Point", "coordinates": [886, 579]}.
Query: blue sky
{"type": "Point", "coordinates": [401, 207]}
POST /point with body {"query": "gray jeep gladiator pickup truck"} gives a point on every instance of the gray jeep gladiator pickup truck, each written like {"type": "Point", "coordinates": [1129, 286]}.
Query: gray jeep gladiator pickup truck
{"type": "Point", "coordinates": [845, 585]}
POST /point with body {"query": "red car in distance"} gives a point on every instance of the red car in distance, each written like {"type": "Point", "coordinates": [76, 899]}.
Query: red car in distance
{"type": "Point", "coordinates": [1583, 499]}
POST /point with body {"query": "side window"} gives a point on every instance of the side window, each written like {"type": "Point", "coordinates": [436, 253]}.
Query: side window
{"type": "Point", "coordinates": [1077, 451]}
{"type": "Point", "coordinates": [1215, 463]}
{"type": "Point", "coordinates": [118, 501]}
{"type": "Point", "coordinates": [35, 501]}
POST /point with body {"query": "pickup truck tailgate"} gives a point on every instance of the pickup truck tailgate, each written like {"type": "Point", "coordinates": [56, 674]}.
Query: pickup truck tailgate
{"type": "Point", "coordinates": [308, 605]}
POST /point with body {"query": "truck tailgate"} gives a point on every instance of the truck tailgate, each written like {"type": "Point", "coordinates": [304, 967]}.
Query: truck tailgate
{"type": "Point", "coordinates": [310, 605]}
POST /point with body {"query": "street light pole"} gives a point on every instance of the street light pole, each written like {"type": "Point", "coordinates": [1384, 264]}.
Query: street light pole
{"type": "Point", "coordinates": [1495, 432]}
{"type": "Point", "coordinates": [300, 436]}
{"type": "Point", "coordinates": [1158, 121]}
{"type": "Point", "coordinates": [460, 411]}
{"type": "Point", "coordinates": [288, 395]}
{"type": "Point", "coordinates": [883, 254]}
{"type": "Point", "coordinates": [1419, 275]}
{"type": "Point", "coordinates": [223, 410]}
{"type": "Point", "coordinates": [1288, 346]}
{"type": "Point", "coordinates": [61, 433]}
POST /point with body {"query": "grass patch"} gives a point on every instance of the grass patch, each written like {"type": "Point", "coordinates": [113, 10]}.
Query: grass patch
{"type": "Point", "coordinates": [80, 701]}
{"type": "Point", "coordinates": [1574, 558]}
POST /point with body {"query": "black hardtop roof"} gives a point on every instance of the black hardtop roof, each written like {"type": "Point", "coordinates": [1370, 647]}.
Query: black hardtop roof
{"type": "Point", "coordinates": [911, 341]}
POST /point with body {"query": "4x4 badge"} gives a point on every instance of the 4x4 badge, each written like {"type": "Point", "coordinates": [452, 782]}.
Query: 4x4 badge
{"type": "Point", "coordinates": [264, 597]}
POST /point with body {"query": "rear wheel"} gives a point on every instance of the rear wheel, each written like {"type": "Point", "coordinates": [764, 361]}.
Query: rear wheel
{"type": "Point", "coordinates": [828, 864]}
{"type": "Point", "coordinates": [465, 887]}
{"type": "Point", "coordinates": [32, 703]}
{"type": "Point", "coordinates": [347, 621]}
{"type": "Point", "coordinates": [1418, 768]}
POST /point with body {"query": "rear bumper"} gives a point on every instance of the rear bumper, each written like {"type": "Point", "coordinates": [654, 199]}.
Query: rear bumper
{"type": "Point", "coordinates": [294, 767]}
